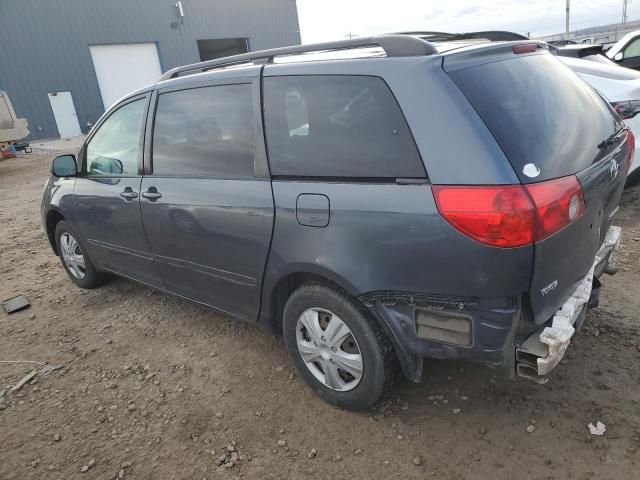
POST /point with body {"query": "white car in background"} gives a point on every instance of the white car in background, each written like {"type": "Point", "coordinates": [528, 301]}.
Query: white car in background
{"type": "Point", "coordinates": [621, 87]}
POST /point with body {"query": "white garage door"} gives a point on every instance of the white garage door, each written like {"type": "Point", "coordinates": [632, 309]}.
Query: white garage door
{"type": "Point", "coordinates": [123, 68]}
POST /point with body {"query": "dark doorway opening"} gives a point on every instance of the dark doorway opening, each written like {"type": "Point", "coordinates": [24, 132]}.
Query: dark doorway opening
{"type": "Point", "coordinates": [221, 47]}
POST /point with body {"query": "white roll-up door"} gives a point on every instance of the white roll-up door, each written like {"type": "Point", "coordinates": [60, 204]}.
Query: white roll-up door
{"type": "Point", "coordinates": [123, 68]}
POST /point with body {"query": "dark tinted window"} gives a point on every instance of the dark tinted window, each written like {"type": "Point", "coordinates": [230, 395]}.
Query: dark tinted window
{"type": "Point", "coordinates": [337, 126]}
{"type": "Point", "coordinates": [546, 120]}
{"type": "Point", "coordinates": [205, 131]}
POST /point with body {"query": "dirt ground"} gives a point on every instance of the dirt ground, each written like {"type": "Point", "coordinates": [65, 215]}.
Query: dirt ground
{"type": "Point", "coordinates": [154, 387]}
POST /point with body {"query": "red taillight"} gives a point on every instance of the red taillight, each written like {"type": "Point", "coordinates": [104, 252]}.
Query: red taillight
{"type": "Point", "coordinates": [498, 216]}
{"type": "Point", "coordinates": [558, 203]}
{"type": "Point", "coordinates": [511, 215]}
{"type": "Point", "coordinates": [631, 141]}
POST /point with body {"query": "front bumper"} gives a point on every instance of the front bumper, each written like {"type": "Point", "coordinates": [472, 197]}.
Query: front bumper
{"type": "Point", "coordinates": [541, 352]}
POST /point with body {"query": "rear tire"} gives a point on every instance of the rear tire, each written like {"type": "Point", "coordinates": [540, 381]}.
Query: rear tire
{"type": "Point", "coordinates": [348, 359]}
{"type": "Point", "coordinates": [633, 178]}
{"type": "Point", "coordinates": [75, 258]}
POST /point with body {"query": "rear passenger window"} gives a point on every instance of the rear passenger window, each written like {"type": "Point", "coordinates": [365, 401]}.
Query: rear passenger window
{"type": "Point", "coordinates": [337, 126]}
{"type": "Point", "coordinates": [205, 131]}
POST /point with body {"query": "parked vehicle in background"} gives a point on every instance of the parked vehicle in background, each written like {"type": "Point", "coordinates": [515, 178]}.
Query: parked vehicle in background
{"type": "Point", "coordinates": [12, 128]}
{"type": "Point", "coordinates": [562, 43]}
{"type": "Point", "coordinates": [626, 51]}
{"type": "Point", "coordinates": [593, 53]}
{"type": "Point", "coordinates": [621, 87]}
{"type": "Point", "coordinates": [449, 201]}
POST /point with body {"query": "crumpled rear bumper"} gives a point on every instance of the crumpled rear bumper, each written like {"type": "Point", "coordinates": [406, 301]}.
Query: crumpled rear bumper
{"type": "Point", "coordinates": [541, 352]}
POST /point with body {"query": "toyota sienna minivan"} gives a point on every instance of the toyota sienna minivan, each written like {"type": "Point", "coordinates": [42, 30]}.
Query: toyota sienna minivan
{"type": "Point", "coordinates": [377, 201]}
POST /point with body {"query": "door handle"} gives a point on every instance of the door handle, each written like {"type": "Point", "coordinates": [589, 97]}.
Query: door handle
{"type": "Point", "coordinates": [129, 194]}
{"type": "Point", "coordinates": [152, 194]}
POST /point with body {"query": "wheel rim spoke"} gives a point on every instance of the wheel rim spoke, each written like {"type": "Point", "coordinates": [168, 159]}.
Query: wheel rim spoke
{"type": "Point", "coordinates": [308, 351]}
{"type": "Point", "coordinates": [79, 260]}
{"type": "Point", "coordinates": [336, 332]}
{"type": "Point", "coordinates": [331, 376]}
{"type": "Point", "coordinates": [312, 323]}
{"type": "Point", "coordinates": [349, 362]}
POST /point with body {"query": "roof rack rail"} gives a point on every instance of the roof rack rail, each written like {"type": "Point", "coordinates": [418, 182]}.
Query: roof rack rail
{"type": "Point", "coordinates": [393, 45]}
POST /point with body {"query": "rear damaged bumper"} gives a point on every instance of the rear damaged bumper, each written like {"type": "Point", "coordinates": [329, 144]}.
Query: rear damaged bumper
{"type": "Point", "coordinates": [479, 330]}
{"type": "Point", "coordinates": [541, 352]}
{"type": "Point", "coordinates": [484, 330]}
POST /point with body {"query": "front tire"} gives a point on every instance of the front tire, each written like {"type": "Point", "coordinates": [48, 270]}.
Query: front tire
{"type": "Point", "coordinates": [75, 258]}
{"type": "Point", "coordinates": [343, 356]}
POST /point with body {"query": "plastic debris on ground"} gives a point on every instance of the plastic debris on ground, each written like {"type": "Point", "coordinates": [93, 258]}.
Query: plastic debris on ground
{"type": "Point", "coordinates": [597, 429]}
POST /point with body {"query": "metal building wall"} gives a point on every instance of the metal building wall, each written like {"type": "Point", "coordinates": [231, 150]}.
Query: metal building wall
{"type": "Point", "coordinates": [44, 44]}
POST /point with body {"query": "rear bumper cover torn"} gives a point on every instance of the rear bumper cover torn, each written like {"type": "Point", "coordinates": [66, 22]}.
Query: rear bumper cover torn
{"type": "Point", "coordinates": [541, 352]}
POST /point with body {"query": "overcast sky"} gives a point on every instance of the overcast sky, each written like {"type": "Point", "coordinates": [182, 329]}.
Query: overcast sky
{"type": "Point", "coordinates": [322, 20]}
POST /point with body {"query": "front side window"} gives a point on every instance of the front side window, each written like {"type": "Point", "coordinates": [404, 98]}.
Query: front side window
{"type": "Point", "coordinates": [337, 126]}
{"type": "Point", "coordinates": [115, 147]}
{"type": "Point", "coordinates": [633, 50]}
{"type": "Point", "coordinates": [205, 131]}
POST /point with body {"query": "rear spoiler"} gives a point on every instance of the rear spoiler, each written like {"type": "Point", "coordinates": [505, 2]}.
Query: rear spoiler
{"type": "Point", "coordinates": [491, 52]}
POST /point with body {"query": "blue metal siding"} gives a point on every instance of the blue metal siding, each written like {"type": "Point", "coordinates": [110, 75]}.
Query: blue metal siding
{"type": "Point", "coordinates": [44, 45]}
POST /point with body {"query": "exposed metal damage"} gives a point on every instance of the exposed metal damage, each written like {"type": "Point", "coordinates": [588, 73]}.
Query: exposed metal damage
{"type": "Point", "coordinates": [541, 352]}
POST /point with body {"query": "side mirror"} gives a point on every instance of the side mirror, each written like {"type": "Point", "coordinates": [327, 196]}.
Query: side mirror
{"type": "Point", "coordinates": [64, 166]}
{"type": "Point", "coordinates": [618, 57]}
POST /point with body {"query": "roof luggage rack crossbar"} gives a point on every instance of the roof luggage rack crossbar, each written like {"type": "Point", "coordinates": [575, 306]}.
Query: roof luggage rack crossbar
{"type": "Point", "coordinates": [393, 46]}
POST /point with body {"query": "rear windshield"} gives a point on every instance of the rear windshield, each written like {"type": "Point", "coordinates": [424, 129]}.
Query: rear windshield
{"type": "Point", "coordinates": [547, 121]}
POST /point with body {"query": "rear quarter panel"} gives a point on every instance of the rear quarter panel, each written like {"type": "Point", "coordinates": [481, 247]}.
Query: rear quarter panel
{"type": "Point", "coordinates": [388, 237]}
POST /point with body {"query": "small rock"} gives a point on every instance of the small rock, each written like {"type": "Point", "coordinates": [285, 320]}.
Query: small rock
{"type": "Point", "coordinates": [282, 443]}
{"type": "Point", "coordinates": [219, 415]}
{"type": "Point", "coordinates": [357, 451]}
{"type": "Point", "coordinates": [386, 462]}
{"type": "Point", "coordinates": [226, 389]}
{"type": "Point", "coordinates": [456, 411]}
{"type": "Point", "coordinates": [121, 474]}
{"type": "Point", "coordinates": [279, 368]}
{"type": "Point", "coordinates": [338, 458]}
{"type": "Point", "coordinates": [312, 453]}
{"type": "Point", "coordinates": [531, 428]}
{"type": "Point", "coordinates": [91, 463]}
{"type": "Point", "coordinates": [56, 437]}
{"type": "Point", "coordinates": [125, 465]}
{"type": "Point", "coordinates": [417, 461]}
{"type": "Point", "coordinates": [131, 407]}
{"type": "Point", "coordinates": [84, 469]}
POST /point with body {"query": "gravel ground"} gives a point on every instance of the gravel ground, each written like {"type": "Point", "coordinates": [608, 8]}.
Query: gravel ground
{"type": "Point", "coordinates": [154, 387]}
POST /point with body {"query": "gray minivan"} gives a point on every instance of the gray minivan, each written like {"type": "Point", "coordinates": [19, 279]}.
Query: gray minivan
{"type": "Point", "coordinates": [388, 200]}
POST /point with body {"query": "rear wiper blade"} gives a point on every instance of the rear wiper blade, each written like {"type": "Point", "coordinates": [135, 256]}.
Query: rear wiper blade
{"type": "Point", "coordinates": [610, 140]}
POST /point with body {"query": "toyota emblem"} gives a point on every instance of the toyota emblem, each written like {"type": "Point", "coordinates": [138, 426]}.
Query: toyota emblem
{"type": "Point", "coordinates": [614, 168]}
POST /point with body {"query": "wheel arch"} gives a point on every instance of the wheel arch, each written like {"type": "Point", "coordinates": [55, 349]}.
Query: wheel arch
{"type": "Point", "coordinates": [51, 221]}
{"type": "Point", "coordinates": [276, 296]}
